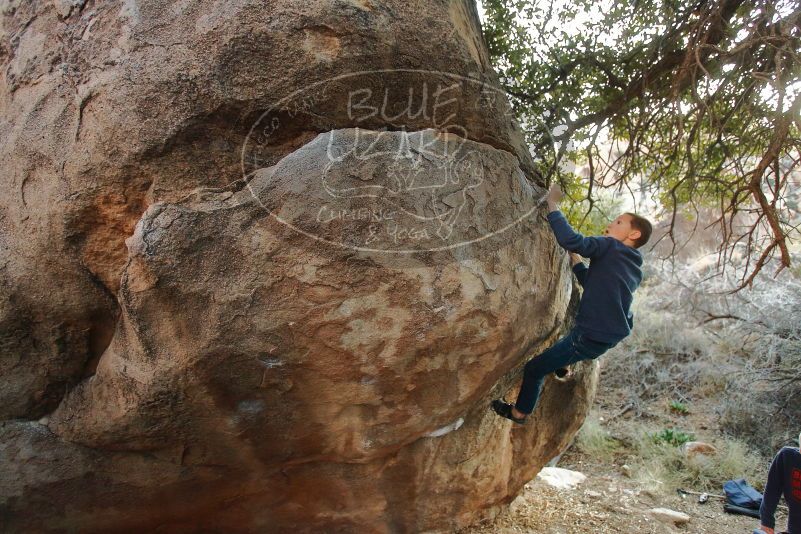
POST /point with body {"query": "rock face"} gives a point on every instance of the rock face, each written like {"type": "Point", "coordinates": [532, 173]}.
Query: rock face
{"type": "Point", "coordinates": [263, 267]}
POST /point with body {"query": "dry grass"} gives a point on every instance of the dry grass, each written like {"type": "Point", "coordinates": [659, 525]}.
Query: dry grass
{"type": "Point", "coordinates": [662, 468]}
{"type": "Point", "coordinates": [594, 440]}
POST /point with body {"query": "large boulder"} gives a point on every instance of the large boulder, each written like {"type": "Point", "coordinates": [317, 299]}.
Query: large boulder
{"type": "Point", "coordinates": [263, 269]}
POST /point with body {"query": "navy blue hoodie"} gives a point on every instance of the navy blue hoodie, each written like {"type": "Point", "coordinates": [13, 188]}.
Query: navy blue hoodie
{"type": "Point", "coordinates": [609, 283]}
{"type": "Point", "coordinates": [784, 477]}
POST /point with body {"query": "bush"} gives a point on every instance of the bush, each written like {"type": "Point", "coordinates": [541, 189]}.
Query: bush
{"type": "Point", "coordinates": [678, 407]}
{"type": "Point", "coordinates": [764, 419]}
{"type": "Point", "coordinates": [672, 437]}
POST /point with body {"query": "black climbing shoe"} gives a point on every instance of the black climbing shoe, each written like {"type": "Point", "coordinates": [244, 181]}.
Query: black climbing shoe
{"type": "Point", "coordinates": [504, 409]}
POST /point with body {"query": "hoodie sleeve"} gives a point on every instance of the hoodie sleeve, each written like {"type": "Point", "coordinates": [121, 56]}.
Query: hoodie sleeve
{"type": "Point", "coordinates": [569, 239]}
{"type": "Point", "coordinates": [580, 270]}
{"type": "Point", "coordinates": [773, 489]}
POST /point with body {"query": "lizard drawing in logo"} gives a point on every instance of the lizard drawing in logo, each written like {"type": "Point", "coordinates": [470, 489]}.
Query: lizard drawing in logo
{"type": "Point", "coordinates": [425, 176]}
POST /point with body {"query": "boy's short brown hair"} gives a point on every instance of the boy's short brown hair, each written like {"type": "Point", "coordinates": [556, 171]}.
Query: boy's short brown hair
{"type": "Point", "coordinates": [643, 225]}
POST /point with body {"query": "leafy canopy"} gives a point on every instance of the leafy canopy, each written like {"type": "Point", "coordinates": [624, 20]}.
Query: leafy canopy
{"type": "Point", "coordinates": [694, 105]}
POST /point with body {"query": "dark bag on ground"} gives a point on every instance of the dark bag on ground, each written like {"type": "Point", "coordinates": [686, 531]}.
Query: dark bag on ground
{"type": "Point", "coordinates": [739, 510]}
{"type": "Point", "coordinates": [741, 498]}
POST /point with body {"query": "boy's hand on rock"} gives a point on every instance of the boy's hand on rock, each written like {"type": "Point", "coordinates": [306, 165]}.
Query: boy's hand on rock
{"type": "Point", "coordinates": [555, 194]}
{"type": "Point", "coordinates": [574, 258]}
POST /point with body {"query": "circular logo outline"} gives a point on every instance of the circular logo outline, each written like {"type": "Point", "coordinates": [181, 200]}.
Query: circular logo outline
{"type": "Point", "coordinates": [292, 95]}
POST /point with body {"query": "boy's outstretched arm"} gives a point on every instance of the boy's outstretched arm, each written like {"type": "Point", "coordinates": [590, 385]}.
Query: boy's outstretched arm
{"type": "Point", "coordinates": [569, 239]}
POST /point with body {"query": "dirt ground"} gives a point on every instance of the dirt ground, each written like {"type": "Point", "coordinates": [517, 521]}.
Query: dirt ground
{"type": "Point", "coordinates": [608, 501]}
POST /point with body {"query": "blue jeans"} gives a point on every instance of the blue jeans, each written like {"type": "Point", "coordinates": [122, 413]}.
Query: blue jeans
{"type": "Point", "coordinates": [573, 347]}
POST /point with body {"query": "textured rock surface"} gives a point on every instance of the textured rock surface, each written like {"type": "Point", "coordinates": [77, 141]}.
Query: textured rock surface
{"type": "Point", "coordinates": [186, 342]}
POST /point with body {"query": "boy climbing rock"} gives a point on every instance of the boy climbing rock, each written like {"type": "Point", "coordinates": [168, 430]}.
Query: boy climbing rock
{"type": "Point", "coordinates": [604, 317]}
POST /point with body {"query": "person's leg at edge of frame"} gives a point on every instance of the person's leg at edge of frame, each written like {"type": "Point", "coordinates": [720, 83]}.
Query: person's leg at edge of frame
{"type": "Point", "coordinates": [560, 354]}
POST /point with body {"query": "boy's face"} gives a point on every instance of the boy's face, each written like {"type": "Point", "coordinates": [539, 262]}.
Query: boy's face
{"type": "Point", "coordinates": [621, 230]}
